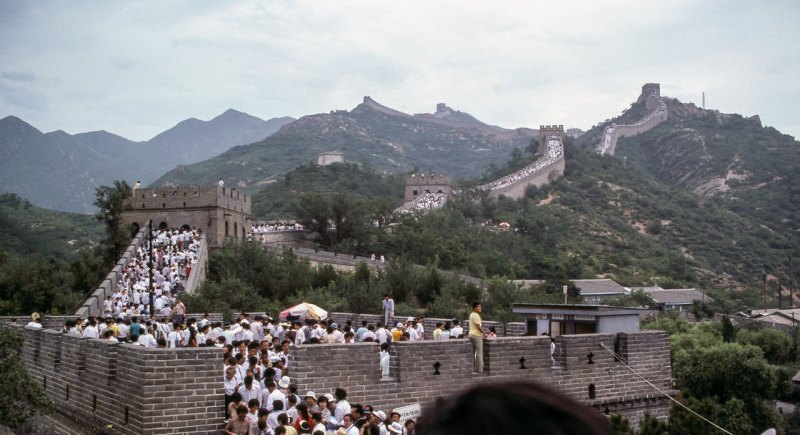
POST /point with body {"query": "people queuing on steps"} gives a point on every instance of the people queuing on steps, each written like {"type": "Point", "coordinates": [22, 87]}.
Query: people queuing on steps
{"type": "Point", "coordinates": [609, 132]}
{"type": "Point", "coordinates": [555, 151]}
{"type": "Point", "coordinates": [174, 256]}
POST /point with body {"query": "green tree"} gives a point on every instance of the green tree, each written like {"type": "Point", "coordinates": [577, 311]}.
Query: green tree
{"type": "Point", "coordinates": [650, 425]}
{"type": "Point", "coordinates": [20, 396]}
{"type": "Point", "coordinates": [620, 424]}
{"type": "Point", "coordinates": [775, 344]}
{"type": "Point", "coordinates": [110, 203]}
{"type": "Point", "coordinates": [724, 371]}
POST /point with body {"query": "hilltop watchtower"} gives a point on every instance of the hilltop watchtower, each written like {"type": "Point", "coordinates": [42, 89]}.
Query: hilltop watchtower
{"type": "Point", "coordinates": [218, 211]}
{"type": "Point", "coordinates": [549, 130]}
{"type": "Point", "coordinates": [420, 184]}
{"type": "Point", "coordinates": [651, 92]}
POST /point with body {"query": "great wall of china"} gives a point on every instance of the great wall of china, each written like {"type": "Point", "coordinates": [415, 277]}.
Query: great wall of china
{"type": "Point", "coordinates": [651, 95]}
{"type": "Point", "coordinates": [98, 385]}
{"type": "Point", "coordinates": [104, 387]}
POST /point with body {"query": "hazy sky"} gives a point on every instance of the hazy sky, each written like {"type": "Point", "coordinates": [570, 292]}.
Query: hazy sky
{"type": "Point", "coordinates": [137, 68]}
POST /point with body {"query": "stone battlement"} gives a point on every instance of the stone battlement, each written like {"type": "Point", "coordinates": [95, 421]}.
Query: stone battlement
{"type": "Point", "coordinates": [550, 128]}
{"type": "Point", "coordinates": [219, 212]}
{"type": "Point", "coordinates": [190, 197]}
{"type": "Point", "coordinates": [136, 390]}
{"type": "Point", "coordinates": [419, 184]}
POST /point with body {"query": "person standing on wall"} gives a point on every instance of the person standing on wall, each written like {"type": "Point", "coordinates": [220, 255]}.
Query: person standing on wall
{"type": "Point", "coordinates": [388, 309]}
{"type": "Point", "coordinates": [476, 336]}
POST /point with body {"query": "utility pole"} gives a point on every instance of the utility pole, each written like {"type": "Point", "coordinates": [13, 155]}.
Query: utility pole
{"type": "Point", "coordinates": [150, 268]}
{"type": "Point", "coordinates": [764, 291]}
{"type": "Point", "coordinates": [791, 282]}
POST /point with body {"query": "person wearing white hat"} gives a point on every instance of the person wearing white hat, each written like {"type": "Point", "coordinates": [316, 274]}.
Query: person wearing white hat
{"type": "Point", "coordinates": [395, 428]}
{"type": "Point", "coordinates": [311, 400]}
{"type": "Point", "coordinates": [379, 421]}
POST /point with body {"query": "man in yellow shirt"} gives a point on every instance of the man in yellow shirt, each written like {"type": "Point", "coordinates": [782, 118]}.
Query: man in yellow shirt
{"type": "Point", "coordinates": [476, 335]}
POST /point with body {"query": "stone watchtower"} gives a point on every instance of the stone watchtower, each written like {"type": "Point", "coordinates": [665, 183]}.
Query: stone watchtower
{"type": "Point", "coordinates": [217, 211]}
{"type": "Point", "coordinates": [651, 92]}
{"type": "Point", "coordinates": [419, 184]}
{"type": "Point", "coordinates": [549, 130]}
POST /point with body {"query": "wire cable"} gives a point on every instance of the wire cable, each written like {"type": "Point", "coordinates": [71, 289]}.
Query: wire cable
{"type": "Point", "coordinates": [619, 358]}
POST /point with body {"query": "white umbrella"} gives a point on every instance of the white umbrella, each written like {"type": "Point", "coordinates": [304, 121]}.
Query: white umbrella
{"type": "Point", "coordinates": [304, 310]}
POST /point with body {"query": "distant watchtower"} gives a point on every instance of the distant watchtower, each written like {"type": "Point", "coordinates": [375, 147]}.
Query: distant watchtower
{"type": "Point", "coordinates": [218, 211]}
{"type": "Point", "coordinates": [651, 92]}
{"type": "Point", "coordinates": [420, 184]}
{"type": "Point", "coordinates": [549, 130]}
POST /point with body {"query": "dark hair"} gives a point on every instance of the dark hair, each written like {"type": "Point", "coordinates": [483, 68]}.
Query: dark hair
{"type": "Point", "coordinates": [252, 403]}
{"type": "Point", "coordinates": [241, 409]}
{"type": "Point", "coordinates": [340, 394]}
{"type": "Point", "coordinates": [302, 411]}
{"type": "Point", "coordinates": [236, 396]}
{"type": "Point", "coordinates": [475, 304]}
{"type": "Point", "coordinates": [511, 407]}
{"type": "Point", "coordinates": [283, 418]}
{"type": "Point", "coordinates": [277, 405]}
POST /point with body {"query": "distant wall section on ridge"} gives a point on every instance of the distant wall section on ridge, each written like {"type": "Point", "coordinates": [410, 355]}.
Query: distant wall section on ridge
{"type": "Point", "coordinates": [547, 168]}
{"type": "Point", "coordinates": [651, 96]}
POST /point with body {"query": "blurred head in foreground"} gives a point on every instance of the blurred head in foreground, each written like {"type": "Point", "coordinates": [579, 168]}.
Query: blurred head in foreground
{"type": "Point", "coordinates": [511, 408]}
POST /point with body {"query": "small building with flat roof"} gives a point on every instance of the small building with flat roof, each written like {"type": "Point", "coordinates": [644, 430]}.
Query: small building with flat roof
{"type": "Point", "coordinates": [558, 319]}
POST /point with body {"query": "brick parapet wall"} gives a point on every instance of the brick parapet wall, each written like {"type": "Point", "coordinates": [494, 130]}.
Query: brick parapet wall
{"type": "Point", "coordinates": [94, 304]}
{"type": "Point", "coordinates": [134, 390]}
{"type": "Point", "coordinates": [99, 383]}
{"type": "Point", "coordinates": [540, 178]}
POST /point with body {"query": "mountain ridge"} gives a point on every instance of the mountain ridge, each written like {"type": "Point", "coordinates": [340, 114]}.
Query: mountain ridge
{"type": "Point", "coordinates": [371, 133]}
{"type": "Point", "coordinates": [59, 171]}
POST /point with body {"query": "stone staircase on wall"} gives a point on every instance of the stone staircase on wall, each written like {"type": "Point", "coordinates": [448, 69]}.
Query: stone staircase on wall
{"type": "Point", "coordinates": [94, 304]}
{"type": "Point", "coordinates": [613, 132]}
{"type": "Point", "coordinates": [538, 173]}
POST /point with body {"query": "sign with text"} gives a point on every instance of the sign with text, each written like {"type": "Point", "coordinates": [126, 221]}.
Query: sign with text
{"type": "Point", "coordinates": [408, 412]}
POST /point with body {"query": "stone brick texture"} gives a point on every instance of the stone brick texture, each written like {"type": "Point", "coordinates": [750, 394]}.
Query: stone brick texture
{"type": "Point", "coordinates": [124, 388]}
{"type": "Point", "coordinates": [97, 383]}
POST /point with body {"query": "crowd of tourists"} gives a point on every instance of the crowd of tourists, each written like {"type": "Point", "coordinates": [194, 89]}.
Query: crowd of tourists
{"type": "Point", "coordinates": [260, 396]}
{"type": "Point", "coordinates": [610, 131]}
{"type": "Point", "coordinates": [127, 315]}
{"type": "Point", "coordinates": [174, 255]}
{"type": "Point", "coordinates": [554, 152]}
{"type": "Point", "coordinates": [256, 229]}
{"type": "Point", "coordinates": [426, 201]}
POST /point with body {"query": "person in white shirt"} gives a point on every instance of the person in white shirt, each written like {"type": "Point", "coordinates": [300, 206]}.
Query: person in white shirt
{"type": "Point", "coordinates": [300, 337]}
{"type": "Point", "coordinates": [457, 330]}
{"type": "Point", "coordinates": [277, 394]}
{"type": "Point", "coordinates": [147, 340]}
{"type": "Point", "coordinates": [413, 335]}
{"type": "Point", "coordinates": [91, 330]}
{"type": "Point", "coordinates": [250, 390]}
{"type": "Point", "coordinates": [247, 333]}
{"type": "Point", "coordinates": [342, 405]}
{"type": "Point", "coordinates": [382, 335]}
{"type": "Point", "coordinates": [35, 322]}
